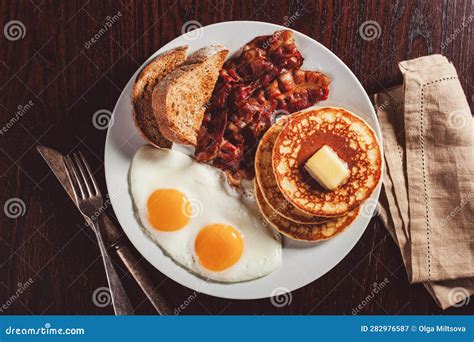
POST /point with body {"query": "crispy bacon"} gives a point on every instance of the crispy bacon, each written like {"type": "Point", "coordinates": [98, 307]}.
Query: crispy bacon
{"type": "Point", "coordinates": [251, 88]}
{"type": "Point", "coordinates": [295, 90]}
{"type": "Point", "coordinates": [210, 135]}
{"type": "Point", "coordinates": [260, 62]}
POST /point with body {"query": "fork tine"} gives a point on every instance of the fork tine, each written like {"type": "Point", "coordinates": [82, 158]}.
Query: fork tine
{"type": "Point", "coordinates": [91, 176]}
{"type": "Point", "coordinates": [81, 170]}
{"type": "Point", "coordinates": [76, 176]}
{"type": "Point", "coordinates": [70, 177]}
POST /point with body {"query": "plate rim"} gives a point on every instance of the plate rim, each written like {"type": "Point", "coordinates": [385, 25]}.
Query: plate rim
{"type": "Point", "coordinates": [375, 127]}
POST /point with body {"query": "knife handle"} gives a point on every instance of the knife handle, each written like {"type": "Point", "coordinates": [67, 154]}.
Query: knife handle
{"type": "Point", "coordinates": [131, 263]}
{"type": "Point", "coordinates": [120, 300]}
{"type": "Point", "coordinates": [150, 290]}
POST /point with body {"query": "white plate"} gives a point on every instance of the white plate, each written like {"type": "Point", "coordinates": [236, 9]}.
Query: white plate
{"type": "Point", "coordinates": [302, 263]}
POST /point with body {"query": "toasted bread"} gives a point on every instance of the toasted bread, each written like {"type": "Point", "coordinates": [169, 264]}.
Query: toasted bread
{"type": "Point", "coordinates": [142, 92]}
{"type": "Point", "coordinates": [179, 99]}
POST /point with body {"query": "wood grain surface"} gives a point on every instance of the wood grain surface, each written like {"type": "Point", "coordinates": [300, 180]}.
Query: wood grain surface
{"type": "Point", "coordinates": [49, 260]}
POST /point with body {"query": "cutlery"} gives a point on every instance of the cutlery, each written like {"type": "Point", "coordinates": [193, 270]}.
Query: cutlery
{"type": "Point", "coordinates": [89, 201]}
{"type": "Point", "coordinates": [113, 236]}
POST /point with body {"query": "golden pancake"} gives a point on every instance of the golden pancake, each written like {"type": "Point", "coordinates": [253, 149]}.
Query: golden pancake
{"type": "Point", "coordinates": [304, 232]}
{"type": "Point", "coordinates": [353, 141]}
{"type": "Point", "coordinates": [267, 182]}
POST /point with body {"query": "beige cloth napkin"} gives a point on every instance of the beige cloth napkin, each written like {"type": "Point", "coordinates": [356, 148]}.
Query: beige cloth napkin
{"type": "Point", "coordinates": [427, 202]}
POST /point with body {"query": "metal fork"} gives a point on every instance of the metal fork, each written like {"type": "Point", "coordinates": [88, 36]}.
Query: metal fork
{"type": "Point", "coordinates": [89, 201]}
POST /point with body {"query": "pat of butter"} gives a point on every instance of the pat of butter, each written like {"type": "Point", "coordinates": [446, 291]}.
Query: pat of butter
{"type": "Point", "coordinates": [327, 168]}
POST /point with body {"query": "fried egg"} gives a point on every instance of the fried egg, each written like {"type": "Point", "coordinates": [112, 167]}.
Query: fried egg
{"type": "Point", "coordinates": [199, 221]}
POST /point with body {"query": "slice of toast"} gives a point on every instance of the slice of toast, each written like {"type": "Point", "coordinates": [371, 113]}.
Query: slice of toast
{"type": "Point", "coordinates": [142, 92]}
{"type": "Point", "coordinates": [179, 99]}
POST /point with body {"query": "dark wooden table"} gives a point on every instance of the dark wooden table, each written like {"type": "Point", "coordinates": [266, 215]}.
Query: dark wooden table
{"type": "Point", "coordinates": [51, 256]}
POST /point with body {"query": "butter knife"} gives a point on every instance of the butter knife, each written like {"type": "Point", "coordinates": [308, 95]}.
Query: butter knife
{"type": "Point", "coordinates": [113, 236]}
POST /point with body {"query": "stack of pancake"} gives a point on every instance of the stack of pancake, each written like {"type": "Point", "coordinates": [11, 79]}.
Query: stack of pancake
{"type": "Point", "coordinates": [289, 198]}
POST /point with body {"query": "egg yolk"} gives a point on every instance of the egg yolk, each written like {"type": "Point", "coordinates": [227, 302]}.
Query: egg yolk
{"type": "Point", "coordinates": [218, 246]}
{"type": "Point", "coordinates": [167, 210]}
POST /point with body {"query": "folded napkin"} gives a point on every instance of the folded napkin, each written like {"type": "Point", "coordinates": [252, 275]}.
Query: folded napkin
{"type": "Point", "coordinates": [427, 201]}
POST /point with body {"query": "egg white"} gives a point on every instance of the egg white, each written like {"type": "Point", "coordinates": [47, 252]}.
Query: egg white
{"type": "Point", "coordinates": [213, 202]}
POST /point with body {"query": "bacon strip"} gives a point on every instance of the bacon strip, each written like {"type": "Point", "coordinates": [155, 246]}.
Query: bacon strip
{"type": "Point", "coordinates": [260, 62]}
{"type": "Point", "coordinates": [251, 88]}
